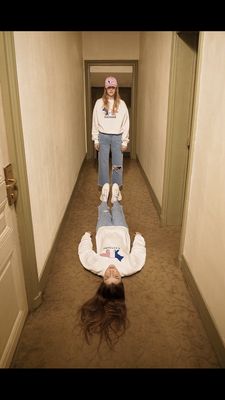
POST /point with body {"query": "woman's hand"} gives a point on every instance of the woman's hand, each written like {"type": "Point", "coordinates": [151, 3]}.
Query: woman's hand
{"type": "Point", "coordinates": [123, 148]}
{"type": "Point", "coordinates": [97, 146]}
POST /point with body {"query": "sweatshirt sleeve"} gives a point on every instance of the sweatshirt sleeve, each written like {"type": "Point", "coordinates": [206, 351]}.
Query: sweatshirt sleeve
{"type": "Point", "coordinates": [125, 126]}
{"type": "Point", "coordinates": [138, 253]}
{"type": "Point", "coordinates": [87, 256]}
{"type": "Point", "coordinates": [95, 131]}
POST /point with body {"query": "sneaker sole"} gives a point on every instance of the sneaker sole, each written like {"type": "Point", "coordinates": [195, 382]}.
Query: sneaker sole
{"type": "Point", "coordinates": [105, 195]}
{"type": "Point", "coordinates": [101, 198]}
{"type": "Point", "coordinates": [118, 198]}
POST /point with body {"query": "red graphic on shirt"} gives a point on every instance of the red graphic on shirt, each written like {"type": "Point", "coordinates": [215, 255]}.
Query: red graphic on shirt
{"type": "Point", "coordinates": [106, 253]}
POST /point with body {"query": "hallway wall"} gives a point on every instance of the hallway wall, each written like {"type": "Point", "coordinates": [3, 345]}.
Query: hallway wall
{"type": "Point", "coordinates": [153, 92]}
{"type": "Point", "coordinates": [204, 237]}
{"type": "Point", "coordinates": [50, 80]}
{"type": "Point", "coordinates": [110, 45]}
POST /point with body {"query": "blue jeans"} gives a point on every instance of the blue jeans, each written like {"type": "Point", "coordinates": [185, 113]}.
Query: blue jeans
{"type": "Point", "coordinates": [115, 217]}
{"type": "Point", "coordinates": [107, 142]}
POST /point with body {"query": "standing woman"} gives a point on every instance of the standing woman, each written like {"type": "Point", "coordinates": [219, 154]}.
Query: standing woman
{"type": "Point", "coordinates": [110, 131]}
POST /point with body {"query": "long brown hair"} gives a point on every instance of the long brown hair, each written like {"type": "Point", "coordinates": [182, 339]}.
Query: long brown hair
{"type": "Point", "coordinates": [105, 314]}
{"type": "Point", "coordinates": [116, 100]}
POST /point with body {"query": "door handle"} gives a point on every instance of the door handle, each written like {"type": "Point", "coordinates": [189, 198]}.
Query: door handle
{"type": "Point", "coordinates": [11, 180]}
{"type": "Point", "coordinates": [11, 187]}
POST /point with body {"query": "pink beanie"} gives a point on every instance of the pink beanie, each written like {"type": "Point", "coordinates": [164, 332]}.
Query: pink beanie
{"type": "Point", "coordinates": [110, 81]}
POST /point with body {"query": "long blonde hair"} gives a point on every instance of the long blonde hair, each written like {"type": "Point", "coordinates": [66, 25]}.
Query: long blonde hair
{"type": "Point", "coordinates": [116, 103]}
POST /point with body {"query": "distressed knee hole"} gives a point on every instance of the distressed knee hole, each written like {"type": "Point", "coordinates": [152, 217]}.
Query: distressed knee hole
{"type": "Point", "coordinates": [116, 168]}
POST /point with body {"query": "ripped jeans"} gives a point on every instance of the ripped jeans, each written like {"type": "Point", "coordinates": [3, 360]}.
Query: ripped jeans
{"type": "Point", "coordinates": [107, 142]}
{"type": "Point", "coordinates": [106, 218]}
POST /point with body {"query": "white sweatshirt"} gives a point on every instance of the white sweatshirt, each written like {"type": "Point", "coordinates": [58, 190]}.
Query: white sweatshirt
{"type": "Point", "coordinates": [113, 247]}
{"type": "Point", "coordinates": [106, 122]}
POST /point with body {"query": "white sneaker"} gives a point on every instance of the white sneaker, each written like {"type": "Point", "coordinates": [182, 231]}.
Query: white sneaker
{"type": "Point", "coordinates": [116, 193]}
{"type": "Point", "coordinates": [105, 192]}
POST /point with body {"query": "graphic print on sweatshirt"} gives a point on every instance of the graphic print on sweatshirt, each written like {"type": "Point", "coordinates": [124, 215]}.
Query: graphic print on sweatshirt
{"type": "Point", "coordinates": [112, 252]}
{"type": "Point", "coordinates": [108, 114]}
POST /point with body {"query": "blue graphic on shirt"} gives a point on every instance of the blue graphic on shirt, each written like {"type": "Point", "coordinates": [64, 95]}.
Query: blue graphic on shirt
{"type": "Point", "coordinates": [118, 256]}
{"type": "Point", "coordinates": [108, 114]}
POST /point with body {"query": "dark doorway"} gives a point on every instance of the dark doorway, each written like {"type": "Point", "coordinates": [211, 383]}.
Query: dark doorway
{"type": "Point", "coordinates": [128, 92]}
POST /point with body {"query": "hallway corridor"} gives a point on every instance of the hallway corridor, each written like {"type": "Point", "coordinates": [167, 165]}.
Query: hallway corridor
{"type": "Point", "coordinates": [165, 329]}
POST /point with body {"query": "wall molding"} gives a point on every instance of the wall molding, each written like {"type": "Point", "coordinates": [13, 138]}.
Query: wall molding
{"type": "Point", "coordinates": [205, 316]}
{"type": "Point", "coordinates": [151, 191]}
{"type": "Point", "coordinates": [48, 265]}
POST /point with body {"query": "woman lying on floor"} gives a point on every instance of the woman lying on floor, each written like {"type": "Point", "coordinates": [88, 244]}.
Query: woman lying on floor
{"type": "Point", "coordinates": [105, 313]}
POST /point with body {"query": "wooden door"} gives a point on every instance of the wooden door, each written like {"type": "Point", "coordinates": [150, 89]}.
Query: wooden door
{"type": "Point", "coordinates": [13, 300]}
{"type": "Point", "coordinates": [183, 71]}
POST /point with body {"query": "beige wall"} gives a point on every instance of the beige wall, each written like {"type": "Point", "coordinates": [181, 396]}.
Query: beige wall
{"type": "Point", "coordinates": [204, 241]}
{"type": "Point", "coordinates": [153, 92]}
{"type": "Point", "coordinates": [110, 45]}
{"type": "Point", "coordinates": [49, 67]}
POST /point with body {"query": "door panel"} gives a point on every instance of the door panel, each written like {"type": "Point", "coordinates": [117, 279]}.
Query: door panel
{"type": "Point", "coordinates": [9, 305]}
{"type": "Point", "coordinates": [13, 300]}
{"type": "Point", "coordinates": [179, 132]}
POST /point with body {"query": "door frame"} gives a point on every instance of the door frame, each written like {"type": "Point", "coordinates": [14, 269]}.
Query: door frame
{"type": "Point", "coordinates": [166, 212]}
{"type": "Point", "coordinates": [87, 65]}
{"type": "Point", "coordinates": [193, 135]}
{"type": "Point", "coordinates": [14, 132]}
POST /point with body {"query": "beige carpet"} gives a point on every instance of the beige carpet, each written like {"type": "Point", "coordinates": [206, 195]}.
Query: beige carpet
{"type": "Point", "coordinates": [165, 329]}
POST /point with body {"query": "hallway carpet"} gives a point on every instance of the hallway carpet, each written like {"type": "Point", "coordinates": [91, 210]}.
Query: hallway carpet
{"type": "Point", "coordinates": [165, 330]}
